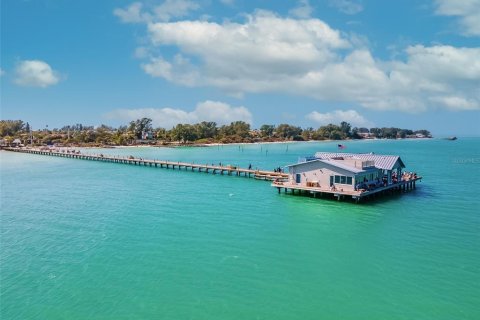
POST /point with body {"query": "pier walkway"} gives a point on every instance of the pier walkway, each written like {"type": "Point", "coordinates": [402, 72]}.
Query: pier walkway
{"type": "Point", "coordinates": [213, 169]}
{"type": "Point", "coordinates": [401, 186]}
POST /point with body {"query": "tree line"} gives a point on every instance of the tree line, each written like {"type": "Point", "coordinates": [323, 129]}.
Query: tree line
{"type": "Point", "coordinates": [142, 131]}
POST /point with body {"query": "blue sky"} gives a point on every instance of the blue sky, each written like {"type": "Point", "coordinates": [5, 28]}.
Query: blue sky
{"type": "Point", "coordinates": [411, 64]}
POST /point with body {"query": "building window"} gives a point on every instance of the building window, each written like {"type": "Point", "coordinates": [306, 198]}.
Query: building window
{"type": "Point", "coordinates": [343, 180]}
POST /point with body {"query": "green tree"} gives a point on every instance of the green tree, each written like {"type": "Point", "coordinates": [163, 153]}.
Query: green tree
{"type": "Point", "coordinates": [308, 134]}
{"type": "Point", "coordinates": [161, 134]}
{"type": "Point", "coordinates": [355, 134]}
{"type": "Point", "coordinates": [389, 133]}
{"type": "Point", "coordinates": [331, 131]}
{"type": "Point", "coordinates": [103, 134]}
{"type": "Point", "coordinates": [287, 131]}
{"type": "Point", "coordinates": [345, 127]}
{"type": "Point", "coordinates": [267, 130]}
{"type": "Point", "coordinates": [11, 127]}
{"type": "Point", "coordinates": [184, 133]}
{"type": "Point", "coordinates": [376, 132]}
{"type": "Point", "coordinates": [239, 129]}
{"type": "Point", "coordinates": [206, 130]}
{"type": "Point", "coordinates": [140, 126]}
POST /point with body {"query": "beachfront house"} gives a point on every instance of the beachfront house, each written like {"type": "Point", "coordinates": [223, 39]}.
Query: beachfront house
{"type": "Point", "coordinates": [147, 135]}
{"type": "Point", "coordinates": [16, 143]}
{"type": "Point", "coordinates": [346, 171]}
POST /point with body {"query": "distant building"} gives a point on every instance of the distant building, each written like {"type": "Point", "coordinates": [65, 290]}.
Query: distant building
{"type": "Point", "coordinates": [255, 133]}
{"type": "Point", "coordinates": [16, 143]}
{"type": "Point", "coordinates": [345, 171]}
{"type": "Point", "coordinates": [365, 135]}
{"type": "Point", "coordinates": [147, 135]}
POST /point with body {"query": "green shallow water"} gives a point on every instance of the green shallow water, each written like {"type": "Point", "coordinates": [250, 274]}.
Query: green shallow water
{"type": "Point", "coordinates": [89, 240]}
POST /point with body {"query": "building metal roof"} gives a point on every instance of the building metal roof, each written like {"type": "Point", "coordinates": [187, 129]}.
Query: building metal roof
{"type": "Point", "coordinates": [337, 164]}
{"type": "Point", "coordinates": [343, 166]}
{"type": "Point", "coordinates": [301, 163]}
{"type": "Point", "coordinates": [386, 162]}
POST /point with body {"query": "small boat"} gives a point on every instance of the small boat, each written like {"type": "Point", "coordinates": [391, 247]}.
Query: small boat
{"type": "Point", "coordinates": [452, 138]}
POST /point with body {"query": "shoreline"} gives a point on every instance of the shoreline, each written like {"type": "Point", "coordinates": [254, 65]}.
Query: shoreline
{"type": "Point", "coordinates": [218, 144]}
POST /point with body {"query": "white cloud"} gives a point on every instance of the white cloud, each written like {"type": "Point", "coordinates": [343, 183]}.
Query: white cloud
{"type": "Point", "coordinates": [457, 103]}
{"type": "Point", "coordinates": [35, 73]}
{"type": "Point", "coordinates": [337, 116]}
{"type": "Point", "coordinates": [257, 56]}
{"type": "Point", "coordinates": [468, 12]}
{"type": "Point", "coordinates": [347, 6]}
{"type": "Point", "coordinates": [174, 8]}
{"type": "Point", "coordinates": [303, 57]}
{"type": "Point", "coordinates": [303, 10]}
{"type": "Point", "coordinates": [2, 72]}
{"type": "Point", "coordinates": [179, 71]}
{"type": "Point", "coordinates": [132, 14]}
{"type": "Point", "coordinates": [158, 68]}
{"type": "Point", "coordinates": [166, 11]}
{"type": "Point", "coordinates": [444, 62]}
{"type": "Point", "coordinates": [306, 57]}
{"type": "Point", "coordinates": [435, 71]}
{"type": "Point", "coordinates": [219, 112]}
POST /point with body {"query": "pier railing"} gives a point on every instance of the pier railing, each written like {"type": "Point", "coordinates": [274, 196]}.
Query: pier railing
{"type": "Point", "coordinates": [401, 186]}
{"type": "Point", "coordinates": [207, 168]}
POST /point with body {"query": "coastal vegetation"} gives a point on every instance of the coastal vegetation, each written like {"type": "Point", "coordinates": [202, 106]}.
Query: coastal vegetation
{"type": "Point", "coordinates": [142, 131]}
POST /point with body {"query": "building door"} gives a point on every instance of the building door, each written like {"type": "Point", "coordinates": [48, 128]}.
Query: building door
{"type": "Point", "coordinates": [331, 181]}
{"type": "Point", "coordinates": [298, 178]}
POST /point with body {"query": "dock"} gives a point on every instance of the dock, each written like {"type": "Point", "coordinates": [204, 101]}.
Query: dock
{"type": "Point", "coordinates": [194, 167]}
{"type": "Point", "coordinates": [352, 176]}
{"type": "Point", "coordinates": [291, 182]}
{"type": "Point", "coordinates": [355, 195]}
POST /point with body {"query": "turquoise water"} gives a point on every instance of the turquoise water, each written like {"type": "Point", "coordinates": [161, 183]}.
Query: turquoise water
{"type": "Point", "coordinates": [90, 240]}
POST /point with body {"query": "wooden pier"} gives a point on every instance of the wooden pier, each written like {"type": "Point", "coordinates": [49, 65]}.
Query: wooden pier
{"type": "Point", "coordinates": [279, 180]}
{"type": "Point", "coordinates": [206, 168]}
{"type": "Point", "coordinates": [357, 196]}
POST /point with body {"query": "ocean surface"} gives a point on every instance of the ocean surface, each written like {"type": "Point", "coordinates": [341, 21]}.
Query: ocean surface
{"type": "Point", "coordinates": [91, 240]}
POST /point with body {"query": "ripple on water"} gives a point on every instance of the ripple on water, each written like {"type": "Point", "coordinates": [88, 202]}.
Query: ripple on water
{"type": "Point", "coordinates": [148, 242]}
